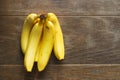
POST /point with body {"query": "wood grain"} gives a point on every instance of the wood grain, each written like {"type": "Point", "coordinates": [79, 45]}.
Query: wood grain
{"type": "Point", "coordinates": [88, 39]}
{"type": "Point", "coordinates": [60, 7]}
{"type": "Point", "coordinates": [91, 31]}
{"type": "Point", "coordinates": [62, 72]}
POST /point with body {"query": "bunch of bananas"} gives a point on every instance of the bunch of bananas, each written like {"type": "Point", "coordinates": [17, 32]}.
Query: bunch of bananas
{"type": "Point", "coordinates": [40, 34]}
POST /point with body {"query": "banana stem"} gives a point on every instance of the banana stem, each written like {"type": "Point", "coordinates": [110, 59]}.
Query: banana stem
{"type": "Point", "coordinates": [43, 16]}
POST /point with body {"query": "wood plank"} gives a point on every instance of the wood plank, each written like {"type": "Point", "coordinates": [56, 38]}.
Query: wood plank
{"type": "Point", "coordinates": [62, 72]}
{"type": "Point", "coordinates": [92, 39]}
{"type": "Point", "coordinates": [9, 40]}
{"type": "Point", "coordinates": [60, 7]}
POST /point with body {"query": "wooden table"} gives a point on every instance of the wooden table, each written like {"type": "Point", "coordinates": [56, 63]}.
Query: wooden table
{"type": "Point", "coordinates": [91, 31]}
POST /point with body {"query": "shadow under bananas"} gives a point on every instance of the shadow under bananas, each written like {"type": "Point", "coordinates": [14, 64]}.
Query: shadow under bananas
{"type": "Point", "coordinates": [46, 74]}
{"type": "Point", "coordinates": [31, 75]}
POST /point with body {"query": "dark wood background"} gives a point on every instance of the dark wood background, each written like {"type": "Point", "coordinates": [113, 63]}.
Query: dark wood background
{"type": "Point", "coordinates": [91, 31]}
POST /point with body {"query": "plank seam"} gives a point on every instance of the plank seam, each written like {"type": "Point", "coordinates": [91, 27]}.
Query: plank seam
{"type": "Point", "coordinates": [75, 15]}
{"type": "Point", "coordinates": [71, 65]}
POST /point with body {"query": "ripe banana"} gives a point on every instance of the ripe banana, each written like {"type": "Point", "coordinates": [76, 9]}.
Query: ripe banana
{"type": "Point", "coordinates": [37, 51]}
{"type": "Point", "coordinates": [42, 17]}
{"type": "Point", "coordinates": [46, 45]}
{"type": "Point", "coordinates": [58, 40]}
{"type": "Point", "coordinates": [40, 34]}
{"type": "Point", "coordinates": [34, 39]}
{"type": "Point", "coordinates": [27, 26]}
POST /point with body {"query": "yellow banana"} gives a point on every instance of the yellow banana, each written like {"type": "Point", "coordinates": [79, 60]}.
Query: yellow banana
{"type": "Point", "coordinates": [46, 45]}
{"type": "Point", "coordinates": [27, 26]}
{"type": "Point", "coordinates": [34, 39]}
{"type": "Point", "coordinates": [58, 42]}
{"type": "Point", "coordinates": [42, 16]}
{"type": "Point", "coordinates": [37, 51]}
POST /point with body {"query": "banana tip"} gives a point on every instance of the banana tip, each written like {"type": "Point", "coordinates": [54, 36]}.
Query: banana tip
{"type": "Point", "coordinates": [40, 69]}
{"type": "Point", "coordinates": [62, 58]}
{"type": "Point", "coordinates": [29, 70]}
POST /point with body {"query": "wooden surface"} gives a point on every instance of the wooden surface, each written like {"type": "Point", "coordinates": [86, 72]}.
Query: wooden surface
{"type": "Point", "coordinates": [62, 72]}
{"type": "Point", "coordinates": [91, 31]}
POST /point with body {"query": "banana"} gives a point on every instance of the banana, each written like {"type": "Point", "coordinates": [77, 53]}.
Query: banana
{"type": "Point", "coordinates": [42, 16]}
{"type": "Point", "coordinates": [46, 45]}
{"type": "Point", "coordinates": [34, 39]}
{"type": "Point", "coordinates": [37, 51]}
{"type": "Point", "coordinates": [58, 42]}
{"type": "Point", "coordinates": [27, 26]}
